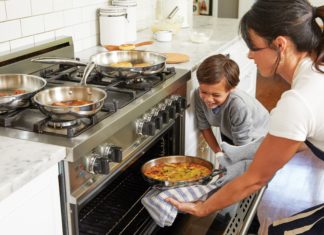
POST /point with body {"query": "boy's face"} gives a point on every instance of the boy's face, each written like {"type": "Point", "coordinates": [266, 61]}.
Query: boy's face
{"type": "Point", "coordinates": [213, 95]}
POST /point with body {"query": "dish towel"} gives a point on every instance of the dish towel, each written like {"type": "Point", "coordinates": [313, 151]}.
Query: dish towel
{"type": "Point", "coordinates": [164, 213]}
{"type": "Point", "coordinates": [235, 161]}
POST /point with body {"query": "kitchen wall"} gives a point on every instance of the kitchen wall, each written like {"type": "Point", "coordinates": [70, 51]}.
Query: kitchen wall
{"type": "Point", "coordinates": [28, 22]}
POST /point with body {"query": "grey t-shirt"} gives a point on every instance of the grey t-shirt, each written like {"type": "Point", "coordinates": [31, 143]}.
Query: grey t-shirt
{"type": "Point", "coordinates": [241, 118]}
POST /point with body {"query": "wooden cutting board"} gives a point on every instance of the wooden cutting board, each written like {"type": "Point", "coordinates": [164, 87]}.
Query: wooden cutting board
{"type": "Point", "coordinates": [176, 58]}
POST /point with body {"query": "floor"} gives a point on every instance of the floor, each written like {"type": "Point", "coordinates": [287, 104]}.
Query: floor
{"type": "Point", "coordinates": [300, 183]}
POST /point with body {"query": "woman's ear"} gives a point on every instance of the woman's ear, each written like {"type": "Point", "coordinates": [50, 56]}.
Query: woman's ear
{"type": "Point", "coordinates": [281, 43]}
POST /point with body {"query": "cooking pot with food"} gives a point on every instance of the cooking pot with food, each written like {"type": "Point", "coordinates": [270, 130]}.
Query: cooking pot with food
{"type": "Point", "coordinates": [17, 89]}
{"type": "Point", "coordinates": [178, 171]}
{"type": "Point", "coordinates": [67, 103]}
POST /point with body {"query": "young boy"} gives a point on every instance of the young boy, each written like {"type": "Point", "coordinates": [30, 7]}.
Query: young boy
{"type": "Point", "coordinates": [240, 117]}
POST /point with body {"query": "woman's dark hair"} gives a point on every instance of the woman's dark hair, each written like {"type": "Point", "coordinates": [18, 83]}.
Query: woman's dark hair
{"type": "Point", "coordinates": [295, 19]}
{"type": "Point", "coordinates": [216, 68]}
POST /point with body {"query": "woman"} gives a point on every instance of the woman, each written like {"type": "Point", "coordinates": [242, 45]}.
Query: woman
{"type": "Point", "coordinates": [240, 117]}
{"type": "Point", "coordinates": [284, 38]}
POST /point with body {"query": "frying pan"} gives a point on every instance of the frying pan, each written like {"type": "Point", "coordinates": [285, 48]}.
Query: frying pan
{"type": "Point", "coordinates": [10, 82]}
{"type": "Point", "coordinates": [164, 184]}
{"type": "Point", "coordinates": [104, 60]}
{"type": "Point", "coordinates": [46, 98]}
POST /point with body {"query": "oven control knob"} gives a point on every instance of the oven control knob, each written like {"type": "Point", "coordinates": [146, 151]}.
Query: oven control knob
{"type": "Point", "coordinates": [164, 113]}
{"type": "Point", "coordinates": [112, 152]}
{"type": "Point", "coordinates": [179, 102]}
{"type": "Point", "coordinates": [145, 127]}
{"type": "Point", "coordinates": [171, 111]}
{"type": "Point", "coordinates": [95, 164]}
{"type": "Point", "coordinates": [157, 118]}
{"type": "Point", "coordinates": [171, 108]}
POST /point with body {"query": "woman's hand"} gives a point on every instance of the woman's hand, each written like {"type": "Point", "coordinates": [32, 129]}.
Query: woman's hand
{"type": "Point", "coordinates": [194, 208]}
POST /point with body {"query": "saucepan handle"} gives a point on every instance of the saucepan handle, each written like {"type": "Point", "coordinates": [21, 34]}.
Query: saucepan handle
{"type": "Point", "coordinates": [58, 60]}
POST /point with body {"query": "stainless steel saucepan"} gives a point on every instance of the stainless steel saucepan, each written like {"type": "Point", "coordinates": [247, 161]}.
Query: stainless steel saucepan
{"type": "Point", "coordinates": [17, 89]}
{"type": "Point", "coordinates": [179, 159]}
{"type": "Point", "coordinates": [96, 96]}
{"type": "Point", "coordinates": [104, 62]}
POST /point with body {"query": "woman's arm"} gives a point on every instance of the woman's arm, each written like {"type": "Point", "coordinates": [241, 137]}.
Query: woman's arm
{"type": "Point", "coordinates": [273, 154]}
{"type": "Point", "coordinates": [211, 140]}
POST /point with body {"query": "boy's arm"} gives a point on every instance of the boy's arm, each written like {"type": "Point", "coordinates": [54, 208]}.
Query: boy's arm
{"type": "Point", "coordinates": [211, 140]}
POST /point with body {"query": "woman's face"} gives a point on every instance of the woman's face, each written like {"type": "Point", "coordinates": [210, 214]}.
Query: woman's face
{"type": "Point", "coordinates": [213, 95]}
{"type": "Point", "coordinates": [264, 57]}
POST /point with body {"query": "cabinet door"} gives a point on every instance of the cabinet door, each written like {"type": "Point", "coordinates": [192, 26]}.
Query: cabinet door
{"type": "Point", "coordinates": [34, 208]}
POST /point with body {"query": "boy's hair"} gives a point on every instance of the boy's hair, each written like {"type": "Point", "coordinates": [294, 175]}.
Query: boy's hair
{"type": "Point", "coordinates": [217, 67]}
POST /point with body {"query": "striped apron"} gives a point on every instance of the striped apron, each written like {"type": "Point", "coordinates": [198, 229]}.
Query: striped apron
{"type": "Point", "coordinates": [307, 222]}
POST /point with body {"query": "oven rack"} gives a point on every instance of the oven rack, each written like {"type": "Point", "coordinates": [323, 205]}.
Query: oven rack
{"type": "Point", "coordinates": [241, 221]}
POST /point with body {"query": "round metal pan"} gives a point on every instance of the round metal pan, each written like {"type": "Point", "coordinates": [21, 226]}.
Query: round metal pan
{"type": "Point", "coordinates": [45, 99]}
{"type": "Point", "coordinates": [9, 82]}
{"type": "Point", "coordinates": [177, 159]}
{"type": "Point", "coordinates": [104, 60]}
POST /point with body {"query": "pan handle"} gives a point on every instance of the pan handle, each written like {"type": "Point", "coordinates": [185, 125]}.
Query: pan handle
{"type": "Point", "coordinates": [58, 60]}
{"type": "Point", "coordinates": [88, 69]}
{"type": "Point", "coordinates": [217, 172]}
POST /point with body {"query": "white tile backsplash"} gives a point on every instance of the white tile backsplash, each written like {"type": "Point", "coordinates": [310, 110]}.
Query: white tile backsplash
{"type": "Point", "coordinates": [4, 48]}
{"type": "Point", "coordinates": [10, 30]}
{"type": "Point", "coordinates": [3, 14]}
{"type": "Point", "coordinates": [41, 6]}
{"type": "Point", "coordinates": [17, 9]}
{"type": "Point", "coordinates": [29, 22]}
{"type": "Point", "coordinates": [59, 5]}
{"type": "Point", "coordinates": [32, 25]}
{"type": "Point", "coordinates": [22, 43]}
{"type": "Point", "coordinates": [39, 38]}
{"type": "Point", "coordinates": [53, 21]}
{"type": "Point", "coordinates": [73, 17]}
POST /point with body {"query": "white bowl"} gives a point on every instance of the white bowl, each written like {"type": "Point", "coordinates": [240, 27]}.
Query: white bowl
{"type": "Point", "coordinates": [200, 35]}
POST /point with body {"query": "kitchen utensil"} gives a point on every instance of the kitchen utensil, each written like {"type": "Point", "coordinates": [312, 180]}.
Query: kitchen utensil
{"type": "Point", "coordinates": [179, 159]}
{"type": "Point", "coordinates": [127, 46]}
{"type": "Point", "coordinates": [44, 100]}
{"type": "Point", "coordinates": [30, 84]}
{"type": "Point", "coordinates": [163, 36]}
{"type": "Point", "coordinates": [176, 58]}
{"type": "Point", "coordinates": [173, 12]}
{"type": "Point", "coordinates": [185, 10]}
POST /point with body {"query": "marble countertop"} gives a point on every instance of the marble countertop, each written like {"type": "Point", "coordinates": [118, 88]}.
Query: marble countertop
{"type": "Point", "coordinates": [21, 161]}
{"type": "Point", "coordinates": [225, 33]}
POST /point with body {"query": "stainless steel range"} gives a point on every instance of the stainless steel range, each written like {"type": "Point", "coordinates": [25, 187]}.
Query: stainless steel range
{"type": "Point", "coordinates": [141, 118]}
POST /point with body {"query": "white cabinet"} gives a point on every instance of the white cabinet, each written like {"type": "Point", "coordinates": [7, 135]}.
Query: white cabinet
{"type": "Point", "coordinates": [34, 209]}
{"type": "Point", "coordinates": [248, 73]}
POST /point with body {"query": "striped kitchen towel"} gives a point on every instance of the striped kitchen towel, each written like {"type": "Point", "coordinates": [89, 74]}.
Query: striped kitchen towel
{"type": "Point", "coordinates": [164, 213]}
